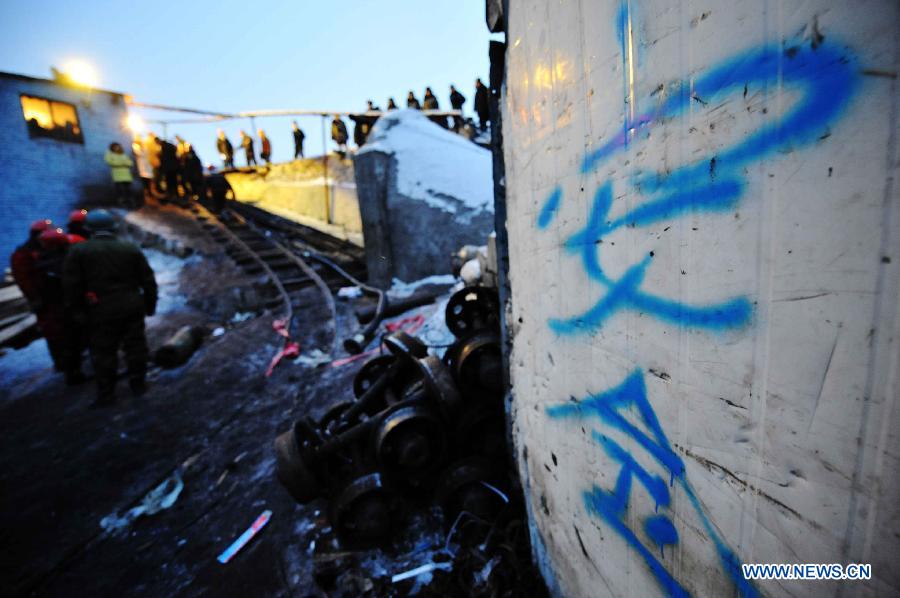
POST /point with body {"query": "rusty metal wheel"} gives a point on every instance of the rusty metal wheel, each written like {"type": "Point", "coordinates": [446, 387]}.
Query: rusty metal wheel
{"type": "Point", "coordinates": [292, 470]}
{"type": "Point", "coordinates": [472, 309]}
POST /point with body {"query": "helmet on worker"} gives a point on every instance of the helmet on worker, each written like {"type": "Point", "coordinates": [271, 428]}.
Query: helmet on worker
{"type": "Point", "coordinates": [77, 216]}
{"type": "Point", "coordinates": [53, 238]}
{"type": "Point", "coordinates": [99, 220]}
{"type": "Point", "coordinates": [39, 226]}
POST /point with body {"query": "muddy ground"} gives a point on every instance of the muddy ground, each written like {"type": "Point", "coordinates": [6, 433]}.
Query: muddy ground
{"type": "Point", "coordinates": [65, 467]}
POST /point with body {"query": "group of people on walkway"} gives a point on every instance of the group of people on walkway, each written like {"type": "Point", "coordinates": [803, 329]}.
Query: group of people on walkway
{"type": "Point", "coordinates": [88, 289]}
{"type": "Point", "coordinates": [167, 170]}
{"type": "Point", "coordinates": [226, 149]}
{"type": "Point", "coordinates": [364, 122]}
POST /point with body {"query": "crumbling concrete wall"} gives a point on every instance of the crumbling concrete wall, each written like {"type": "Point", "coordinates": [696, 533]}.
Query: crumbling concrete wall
{"type": "Point", "coordinates": [424, 192]}
{"type": "Point", "coordinates": [704, 246]}
{"type": "Point", "coordinates": [309, 191]}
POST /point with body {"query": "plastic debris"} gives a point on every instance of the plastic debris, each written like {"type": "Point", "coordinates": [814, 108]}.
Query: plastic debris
{"type": "Point", "coordinates": [290, 350]}
{"type": "Point", "coordinates": [426, 568]}
{"type": "Point", "coordinates": [241, 316]}
{"type": "Point", "coordinates": [218, 331]}
{"type": "Point", "coordinates": [313, 359]}
{"type": "Point", "coordinates": [400, 288]}
{"type": "Point", "coordinates": [349, 292]}
{"type": "Point", "coordinates": [160, 498]}
{"type": "Point", "coordinates": [245, 538]}
{"type": "Point", "coordinates": [471, 272]}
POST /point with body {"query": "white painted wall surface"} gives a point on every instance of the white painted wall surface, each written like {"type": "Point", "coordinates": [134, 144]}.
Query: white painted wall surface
{"type": "Point", "coordinates": [742, 279]}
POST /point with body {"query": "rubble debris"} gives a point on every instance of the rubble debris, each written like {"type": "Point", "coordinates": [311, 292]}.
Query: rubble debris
{"type": "Point", "coordinates": [178, 349]}
{"type": "Point", "coordinates": [420, 430]}
{"type": "Point", "coordinates": [426, 568]}
{"type": "Point", "coordinates": [245, 538]}
{"type": "Point", "coordinates": [314, 359]}
{"type": "Point", "coordinates": [349, 292]}
{"type": "Point", "coordinates": [290, 350]}
{"type": "Point", "coordinates": [160, 498]}
{"type": "Point", "coordinates": [400, 289]}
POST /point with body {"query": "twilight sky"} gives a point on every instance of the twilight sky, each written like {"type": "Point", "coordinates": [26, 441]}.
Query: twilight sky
{"type": "Point", "coordinates": [231, 56]}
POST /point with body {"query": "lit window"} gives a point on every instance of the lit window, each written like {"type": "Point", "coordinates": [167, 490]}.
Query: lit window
{"type": "Point", "coordinates": [49, 118]}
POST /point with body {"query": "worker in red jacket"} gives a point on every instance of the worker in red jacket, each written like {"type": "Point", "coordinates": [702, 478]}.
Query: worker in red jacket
{"type": "Point", "coordinates": [48, 277]}
{"type": "Point", "coordinates": [23, 262]}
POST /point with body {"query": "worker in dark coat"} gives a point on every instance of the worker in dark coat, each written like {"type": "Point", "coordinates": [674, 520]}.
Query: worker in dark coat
{"type": "Point", "coordinates": [225, 149]}
{"type": "Point", "coordinates": [193, 172]}
{"type": "Point", "coordinates": [63, 335]}
{"type": "Point", "coordinates": [456, 101]}
{"type": "Point", "coordinates": [249, 152]}
{"type": "Point", "coordinates": [170, 167]}
{"type": "Point", "coordinates": [359, 127]}
{"type": "Point", "coordinates": [412, 102]}
{"type": "Point", "coordinates": [430, 102]}
{"type": "Point", "coordinates": [217, 190]}
{"type": "Point", "coordinates": [265, 147]}
{"type": "Point", "coordinates": [110, 284]}
{"type": "Point", "coordinates": [481, 104]}
{"type": "Point", "coordinates": [339, 133]}
{"type": "Point", "coordinates": [391, 105]}
{"type": "Point", "coordinates": [299, 136]}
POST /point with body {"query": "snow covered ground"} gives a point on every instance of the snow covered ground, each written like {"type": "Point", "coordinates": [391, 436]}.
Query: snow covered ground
{"type": "Point", "coordinates": [434, 165]}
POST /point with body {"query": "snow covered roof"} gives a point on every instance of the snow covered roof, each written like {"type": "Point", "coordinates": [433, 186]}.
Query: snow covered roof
{"type": "Point", "coordinates": [434, 165]}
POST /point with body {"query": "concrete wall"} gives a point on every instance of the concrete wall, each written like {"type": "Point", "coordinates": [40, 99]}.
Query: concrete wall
{"type": "Point", "coordinates": [303, 191]}
{"type": "Point", "coordinates": [424, 192]}
{"type": "Point", "coordinates": [704, 248]}
{"type": "Point", "coordinates": [46, 178]}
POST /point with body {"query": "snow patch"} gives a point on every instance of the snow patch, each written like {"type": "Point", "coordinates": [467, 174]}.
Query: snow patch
{"type": "Point", "coordinates": [434, 165]}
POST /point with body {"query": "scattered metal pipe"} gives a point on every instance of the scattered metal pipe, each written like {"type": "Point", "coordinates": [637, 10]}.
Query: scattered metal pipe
{"type": "Point", "coordinates": [359, 341]}
{"type": "Point", "coordinates": [396, 307]}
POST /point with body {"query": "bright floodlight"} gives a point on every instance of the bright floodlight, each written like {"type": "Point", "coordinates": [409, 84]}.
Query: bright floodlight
{"type": "Point", "coordinates": [135, 123]}
{"type": "Point", "coordinates": [81, 72]}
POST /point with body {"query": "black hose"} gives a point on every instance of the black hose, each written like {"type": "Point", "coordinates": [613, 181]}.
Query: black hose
{"type": "Point", "coordinates": [357, 343]}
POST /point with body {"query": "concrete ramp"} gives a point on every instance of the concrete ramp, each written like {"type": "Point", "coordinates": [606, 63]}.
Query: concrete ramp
{"type": "Point", "coordinates": [313, 192]}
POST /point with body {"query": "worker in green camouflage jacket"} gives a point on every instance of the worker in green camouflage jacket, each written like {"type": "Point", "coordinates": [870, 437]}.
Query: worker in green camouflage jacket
{"type": "Point", "coordinates": [108, 283]}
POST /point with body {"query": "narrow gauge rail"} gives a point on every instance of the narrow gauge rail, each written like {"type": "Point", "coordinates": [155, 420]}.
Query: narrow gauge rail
{"type": "Point", "coordinates": [265, 244]}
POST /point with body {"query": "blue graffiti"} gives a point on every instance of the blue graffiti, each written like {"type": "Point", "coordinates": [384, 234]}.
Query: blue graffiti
{"type": "Point", "coordinates": [611, 506]}
{"type": "Point", "coordinates": [548, 212]}
{"type": "Point", "coordinates": [827, 79]}
{"type": "Point", "coordinates": [625, 292]}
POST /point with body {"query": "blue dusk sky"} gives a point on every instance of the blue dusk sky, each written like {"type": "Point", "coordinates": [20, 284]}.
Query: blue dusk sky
{"type": "Point", "coordinates": [234, 56]}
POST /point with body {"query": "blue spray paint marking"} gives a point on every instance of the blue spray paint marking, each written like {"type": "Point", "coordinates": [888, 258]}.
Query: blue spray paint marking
{"type": "Point", "coordinates": [548, 212]}
{"type": "Point", "coordinates": [623, 26]}
{"type": "Point", "coordinates": [612, 506]}
{"type": "Point", "coordinates": [661, 530]}
{"type": "Point", "coordinates": [827, 79]}
{"type": "Point", "coordinates": [625, 292]}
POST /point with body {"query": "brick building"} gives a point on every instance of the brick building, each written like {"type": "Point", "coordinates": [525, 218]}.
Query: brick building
{"type": "Point", "coordinates": [52, 141]}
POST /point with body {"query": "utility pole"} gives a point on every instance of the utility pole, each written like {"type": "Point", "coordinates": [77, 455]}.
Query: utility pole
{"type": "Point", "coordinates": [325, 172]}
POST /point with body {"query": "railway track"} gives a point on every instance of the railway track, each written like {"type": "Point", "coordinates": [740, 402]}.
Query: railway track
{"type": "Point", "coordinates": [266, 245]}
